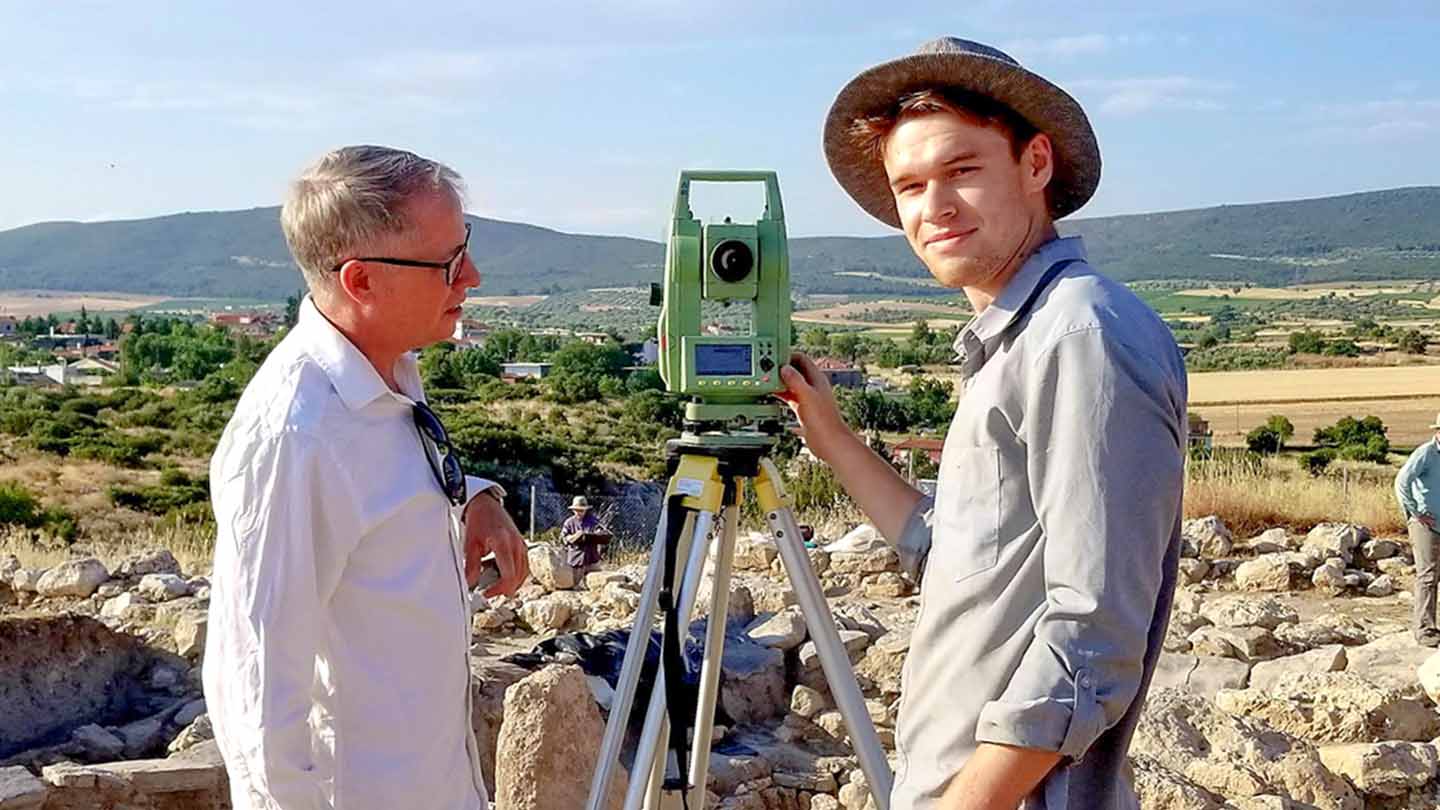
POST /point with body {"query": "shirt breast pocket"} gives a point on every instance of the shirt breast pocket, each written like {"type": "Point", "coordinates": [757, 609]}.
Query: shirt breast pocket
{"type": "Point", "coordinates": [967, 512]}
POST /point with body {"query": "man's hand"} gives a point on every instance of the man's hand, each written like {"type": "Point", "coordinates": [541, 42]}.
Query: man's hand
{"type": "Point", "coordinates": [488, 528]}
{"type": "Point", "coordinates": [809, 395]}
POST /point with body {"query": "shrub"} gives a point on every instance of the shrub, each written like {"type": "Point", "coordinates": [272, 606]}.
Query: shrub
{"type": "Point", "coordinates": [1315, 461]}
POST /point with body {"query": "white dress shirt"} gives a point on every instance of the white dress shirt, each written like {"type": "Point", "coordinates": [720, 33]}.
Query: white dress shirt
{"type": "Point", "coordinates": [336, 666]}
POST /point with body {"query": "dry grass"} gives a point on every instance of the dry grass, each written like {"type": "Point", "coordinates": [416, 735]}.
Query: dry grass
{"type": "Point", "coordinates": [25, 304]}
{"type": "Point", "coordinates": [1294, 385]}
{"type": "Point", "coordinates": [192, 544]}
{"type": "Point", "coordinates": [1280, 494]}
{"type": "Point", "coordinates": [1407, 419]}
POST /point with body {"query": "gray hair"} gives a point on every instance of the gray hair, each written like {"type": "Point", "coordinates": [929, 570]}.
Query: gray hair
{"type": "Point", "coordinates": [352, 197]}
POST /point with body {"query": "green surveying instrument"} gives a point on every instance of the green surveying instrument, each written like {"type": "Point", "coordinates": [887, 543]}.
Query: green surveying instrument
{"type": "Point", "coordinates": [730, 426]}
{"type": "Point", "coordinates": [731, 376]}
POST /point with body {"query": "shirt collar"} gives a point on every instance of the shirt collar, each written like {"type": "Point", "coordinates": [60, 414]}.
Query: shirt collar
{"type": "Point", "coordinates": [989, 325]}
{"type": "Point", "coordinates": [351, 372]}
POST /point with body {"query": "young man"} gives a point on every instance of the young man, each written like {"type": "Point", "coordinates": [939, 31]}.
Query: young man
{"type": "Point", "coordinates": [337, 667]}
{"type": "Point", "coordinates": [1050, 550]}
{"type": "Point", "coordinates": [1417, 487]}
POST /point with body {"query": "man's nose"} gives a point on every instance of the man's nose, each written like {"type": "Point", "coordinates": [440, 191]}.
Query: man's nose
{"type": "Point", "coordinates": [469, 274]}
{"type": "Point", "coordinates": [939, 203]}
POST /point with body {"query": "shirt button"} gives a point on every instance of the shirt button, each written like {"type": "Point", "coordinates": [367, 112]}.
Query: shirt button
{"type": "Point", "coordinates": [1084, 680]}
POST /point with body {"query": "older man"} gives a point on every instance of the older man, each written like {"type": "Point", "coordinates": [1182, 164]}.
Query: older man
{"type": "Point", "coordinates": [1050, 550]}
{"type": "Point", "coordinates": [337, 665]}
{"type": "Point", "coordinates": [1417, 487]}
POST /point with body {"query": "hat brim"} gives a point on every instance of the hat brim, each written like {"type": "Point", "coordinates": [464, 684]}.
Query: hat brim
{"type": "Point", "coordinates": [1048, 108]}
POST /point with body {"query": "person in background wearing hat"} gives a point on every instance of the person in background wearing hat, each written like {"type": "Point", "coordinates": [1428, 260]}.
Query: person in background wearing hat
{"type": "Point", "coordinates": [1417, 487]}
{"type": "Point", "coordinates": [1048, 556]}
{"type": "Point", "coordinates": [583, 538]}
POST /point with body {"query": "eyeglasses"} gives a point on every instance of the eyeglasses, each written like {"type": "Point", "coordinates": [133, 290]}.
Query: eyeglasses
{"type": "Point", "coordinates": [451, 266]}
{"type": "Point", "coordinates": [444, 464]}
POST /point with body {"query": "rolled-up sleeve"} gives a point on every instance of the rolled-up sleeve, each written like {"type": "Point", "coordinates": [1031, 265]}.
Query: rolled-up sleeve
{"type": "Point", "coordinates": [287, 520]}
{"type": "Point", "coordinates": [1105, 454]}
{"type": "Point", "coordinates": [474, 485]}
{"type": "Point", "coordinates": [913, 544]}
{"type": "Point", "coordinates": [1410, 486]}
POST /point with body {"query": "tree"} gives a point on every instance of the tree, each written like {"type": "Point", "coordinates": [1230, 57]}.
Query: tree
{"type": "Point", "coordinates": [845, 344]}
{"type": "Point", "coordinates": [1357, 440]}
{"type": "Point", "coordinates": [872, 410]}
{"type": "Point", "coordinates": [1270, 437]}
{"type": "Point", "coordinates": [1413, 341]}
{"type": "Point", "coordinates": [580, 367]}
{"type": "Point", "coordinates": [930, 404]}
{"type": "Point", "coordinates": [292, 308]}
{"type": "Point", "coordinates": [920, 333]}
{"type": "Point", "coordinates": [1306, 342]}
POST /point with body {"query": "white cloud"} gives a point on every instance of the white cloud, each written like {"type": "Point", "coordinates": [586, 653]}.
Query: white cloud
{"type": "Point", "coordinates": [1067, 47]}
{"type": "Point", "coordinates": [1379, 121]}
{"type": "Point", "coordinates": [1139, 95]}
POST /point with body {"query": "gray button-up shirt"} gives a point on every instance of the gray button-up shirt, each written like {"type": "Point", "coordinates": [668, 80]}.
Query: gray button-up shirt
{"type": "Point", "coordinates": [1050, 549]}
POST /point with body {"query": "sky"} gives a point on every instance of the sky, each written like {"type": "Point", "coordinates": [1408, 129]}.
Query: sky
{"type": "Point", "coordinates": [579, 116]}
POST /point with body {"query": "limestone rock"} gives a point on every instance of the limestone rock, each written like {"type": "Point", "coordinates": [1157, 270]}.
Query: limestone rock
{"type": "Point", "coordinates": [1383, 769]}
{"type": "Point", "coordinates": [1233, 756]}
{"type": "Point", "coordinates": [120, 607]}
{"type": "Point", "coordinates": [552, 728]}
{"type": "Point", "coordinates": [545, 615]}
{"type": "Point", "coordinates": [1245, 611]}
{"type": "Point", "coordinates": [1199, 675]}
{"type": "Point", "coordinates": [1269, 541]}
{"type": "Point", "coordinates": [1329, 578]}
{"type": "Point", "coordinates": [1429, 674]}
{"type": "Point", "coordinates": [1243, 643]}
{"type": "Point", "coordinates": [1391, 661]}
{"type": "Point", "coordinates": [189, 634]}
{"type": "Point", "coordinates": [1207, 538]}
{"type": "Point", "coordinates": [783, 631]}
{"type": "Point", "coordinates": [78, 578]}
{"type": "Point", "coordinates": [1268, 572]}
{"type": "Point", "coordinates": [755, 552]}
{"type": "Point", "coordinates": [1381, 586]}
{"type": "Point", "coordinates": [1374, 551]}
{"type": "Point", "coordinates": [26, 580]}
{"type": "Point", "coordinates": [548, 567]}
{"type": "Point", "coordinates": [807, 702]}
{"type": "Point", "coordinates": [1336, 540]}
{"type": "Point", "coordinates": [1324, 659]}
{"type": "Point", "coordinates": [19, 790]}
{"type": "Point", "coordinates": [97, 743]}
{"type": "Point", "coordinates": [1335, 707]}
{"type": "Point", "coordinates": [1193, 570]}
{"type": "Point", "coordinates": [163, 587]}
{"type": "Point", "coordinates": [194, 733]}
{"type": "Point", "coordinates": [875, 561]}
{"type": "Point", "coordinates": [752, 683]}
{"type": "Point", "coordinates": [154, 561]}
{"type": "Point", "coordinates": [1159, 787]}
{"type": "Point", "coordinates": [1323, 630]}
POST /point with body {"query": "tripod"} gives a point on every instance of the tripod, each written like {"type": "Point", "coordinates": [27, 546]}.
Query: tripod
{"type": "Point", "coordinates": [707, 473]}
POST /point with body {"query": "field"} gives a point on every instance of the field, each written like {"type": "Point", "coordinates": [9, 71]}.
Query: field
{"type": "Point", "coordinates": [24, 304]}
{"type": "Point", "coordinates": [504, 300]}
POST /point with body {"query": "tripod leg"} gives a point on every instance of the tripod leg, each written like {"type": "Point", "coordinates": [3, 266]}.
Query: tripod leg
{"type": "Point", "coordinates": [654, 732]}
{"type": "Point", "coordinates": [714, 652]}
{"type": "Point", "coordinates": [833, 658]}
{"type": "Point", "coordinates": [629, 679]}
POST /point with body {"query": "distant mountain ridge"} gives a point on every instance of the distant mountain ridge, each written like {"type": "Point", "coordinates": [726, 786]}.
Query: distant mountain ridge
{"type": "Point", "coordinates": [1364, 236]}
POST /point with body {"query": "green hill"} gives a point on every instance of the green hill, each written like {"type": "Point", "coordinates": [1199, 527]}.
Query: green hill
{"type": "Point", "coordinates": [1371, 235]}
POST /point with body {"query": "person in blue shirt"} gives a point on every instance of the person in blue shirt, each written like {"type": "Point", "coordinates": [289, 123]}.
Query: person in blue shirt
{"type": "Point", "coordinates": [1417, 487]}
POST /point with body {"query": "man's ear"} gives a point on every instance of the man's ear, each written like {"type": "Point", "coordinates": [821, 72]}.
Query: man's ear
{"type": "Point", "coordinates": [356, 281]}
{"type": "Point", "coordinates": [1037, 163]}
